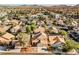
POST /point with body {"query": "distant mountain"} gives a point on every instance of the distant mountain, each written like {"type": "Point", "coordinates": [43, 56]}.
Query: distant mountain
{"type": "Point", "coordinates": [35, 5]}
{"type": "Point", "coordinates": [76, 5]}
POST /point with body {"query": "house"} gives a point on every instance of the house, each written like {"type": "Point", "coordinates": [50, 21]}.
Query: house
{"type": "Point", "coordinates": [76, 28]}
{"type": "Point", "coordinates": [15, 29]}
{"type": "Point", "coordinates": [6, 21]}
{"type": "Point", "coordinates": [3, 14]}
{"type": "Point", "coordinates": [74, 23]}
{"type": "Point", "coordinates": [75, 35]}
{"type": "Point", "coordinates": [3, 40]}
{"type": "Point", "coordinates": [8, 36]}
{"type": "Point", "coordinates": [60, 22]}
{"type": "Point", "coordinates": [4, 28]}
{"type": "Point", "coordinates": [40, 23]}
{"type": "Point", "coordinates": [49, 23]}
{"type": "Point", "coordinates": [34, 16]}
{"type": "Point", "coordinates": [54, 29]}
{"type": "Point", "coordinates": [23, 29]}
{"type": "Point", "coordinates": [56, 39]}
{"type": "Point", "coordinates": [40, 40]}
{"type": "Point", "coordinates": [24, 20]}
{"type": "Point", "coordinates": [57, 16]}
{"type": "Point", "coordinates": [39, 29]}
{"type": "Point", "coordinates": [14, 21]}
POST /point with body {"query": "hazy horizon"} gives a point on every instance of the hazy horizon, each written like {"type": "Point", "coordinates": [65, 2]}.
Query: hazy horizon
{"type": "Point", "coordinates": [37, 4]}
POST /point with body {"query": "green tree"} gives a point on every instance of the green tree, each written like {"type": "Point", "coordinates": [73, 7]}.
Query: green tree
{"type": "Point", "coordinates": [23, 38]}
{"type": "Point", "coordinates": [30, 29]}
{"type": "Point", "coordinates": [41, 17]}
{"type": "Point", "coordinates": [62, 32]}
{"type": "Point", "coordinates": [70, 44]}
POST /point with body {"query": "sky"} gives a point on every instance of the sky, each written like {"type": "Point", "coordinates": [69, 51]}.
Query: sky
{"type": "Point", "coordinates": [56, 2]}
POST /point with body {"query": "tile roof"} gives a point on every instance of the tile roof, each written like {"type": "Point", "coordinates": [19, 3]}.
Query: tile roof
{"type": "Point", "coordinates": [8, 36]}
{"type": "Point", "coordinates": [55, 39]}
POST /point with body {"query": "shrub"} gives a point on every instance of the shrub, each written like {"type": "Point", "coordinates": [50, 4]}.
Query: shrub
{"type": "Point", "coordinates": [70, 44]}
{"type": "Point", "coordinates": [62, 32]}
